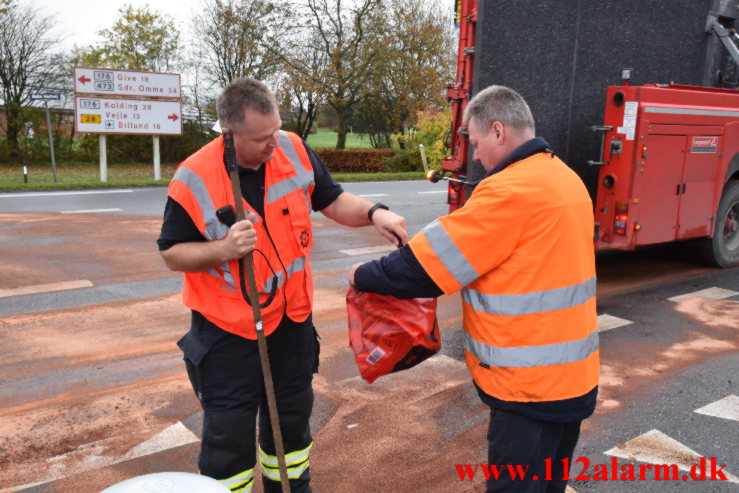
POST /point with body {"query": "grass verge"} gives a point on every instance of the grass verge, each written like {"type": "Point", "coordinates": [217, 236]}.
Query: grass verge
{"type": "Point", "coordinates": [327, 138]}
{"type": "Point", "coordinates": [76, 176]}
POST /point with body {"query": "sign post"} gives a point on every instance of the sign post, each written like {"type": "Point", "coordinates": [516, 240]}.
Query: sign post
{"type": "Point", "coordinates": [103, 159]}
{"type": "Point", "coordinates": [157, 163]}
{"type": "Point", "coordinates": [104, 104]}
{"type": "Point", "coordinates": [46, 98]}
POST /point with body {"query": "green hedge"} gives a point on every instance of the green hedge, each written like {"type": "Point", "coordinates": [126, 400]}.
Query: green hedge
{"type": "Point", "coordinates": [354, 160]}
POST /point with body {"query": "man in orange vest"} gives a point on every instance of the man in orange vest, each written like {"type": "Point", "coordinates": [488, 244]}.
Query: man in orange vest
{"type": "Point", "coordinates": [521, 252]}
{"type": "Point", "coordinates": [282, 180]}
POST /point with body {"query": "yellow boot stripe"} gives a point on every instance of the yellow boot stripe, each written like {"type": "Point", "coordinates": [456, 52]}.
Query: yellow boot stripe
{"type": "Point", "coordinates": [239, 478]}
{"type": "Point", "coordinates": [293, 458]}
{"type": "Point", "coordinates": [245, 488]}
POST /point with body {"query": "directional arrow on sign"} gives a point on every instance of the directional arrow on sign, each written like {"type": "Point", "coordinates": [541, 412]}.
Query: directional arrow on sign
{"type": "Point", "coordinates": [84, 79]}
{"type": "Point", "coordinates": [173, 117]}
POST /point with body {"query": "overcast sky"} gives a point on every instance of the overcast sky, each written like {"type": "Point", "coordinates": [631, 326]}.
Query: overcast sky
{"type": "Point", "coordinates": [79, 20]}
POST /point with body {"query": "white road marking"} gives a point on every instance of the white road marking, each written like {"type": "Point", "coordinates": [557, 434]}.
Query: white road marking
{"type": "Point", "coordinates": [45, 288]}
{"type": "Point", "coordinates": [709, 293]}
{"type": "Point", "coordinates": [366, 250]}
{"type": "Point", "coordinates": [569, 489]}
{"type": "Point", "coordinates": [174, 436]}
{"type": "Point", "coordinates": [654, 447]}
{"type": "Point", "coordinates": [727, 408]}
{"type": "Point", "coordinates": [368, 195]}
{"type": "Point", "coordinates": [89, 211]}
{"type": "Point", "coordinates": [434, 191]}
{"type": "Point", "coordinates": [52, 194]}
{"type": "Point", "coordinates": [91, 455]}
{"type": "Point", "coordinates": [608, 322]}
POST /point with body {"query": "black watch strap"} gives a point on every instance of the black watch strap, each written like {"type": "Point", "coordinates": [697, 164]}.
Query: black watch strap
{"type": "Point", "coordinates": [374, 208]}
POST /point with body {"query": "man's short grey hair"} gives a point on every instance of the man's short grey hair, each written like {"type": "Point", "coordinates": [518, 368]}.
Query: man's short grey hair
{"type": "Point", "coordinates": [499, 104]}
{"type": "Point", "coordinates": [242, 94]}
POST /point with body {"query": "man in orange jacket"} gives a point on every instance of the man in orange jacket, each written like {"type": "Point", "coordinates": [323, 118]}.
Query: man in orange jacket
{"type": "Point", "coordinates": [282, 180]}
{"type": "Point", "coordinates": [521, 252]}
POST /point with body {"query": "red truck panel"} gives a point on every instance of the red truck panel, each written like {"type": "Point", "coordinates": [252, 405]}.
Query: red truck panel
{"type": "Point", "coordinates": [676, 146]}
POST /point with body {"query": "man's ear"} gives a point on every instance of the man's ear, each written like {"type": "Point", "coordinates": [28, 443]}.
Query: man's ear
{"type": "Point", "coordinates": [498, 130]}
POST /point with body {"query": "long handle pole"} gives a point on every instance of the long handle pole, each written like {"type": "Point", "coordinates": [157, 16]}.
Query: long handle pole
{"type": "Point", "coordinates": [248, 265]}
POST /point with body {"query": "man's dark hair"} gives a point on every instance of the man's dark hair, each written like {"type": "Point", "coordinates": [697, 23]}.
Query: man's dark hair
{"type": "Point", "coordinates": [242, 94]}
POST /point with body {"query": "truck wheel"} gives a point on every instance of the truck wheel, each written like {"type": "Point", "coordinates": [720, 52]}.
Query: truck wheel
{"type": "Point", "coordinates": [724, 246]}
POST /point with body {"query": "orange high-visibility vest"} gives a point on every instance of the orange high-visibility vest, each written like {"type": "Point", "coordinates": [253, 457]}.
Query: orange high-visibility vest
{"type": "Point", "coordinates": [521, 250]}
{"type": "Point", "coordinates": [202, 186]}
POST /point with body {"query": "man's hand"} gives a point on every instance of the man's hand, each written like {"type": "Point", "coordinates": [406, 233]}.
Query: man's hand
{"type": "Point", "coordinates": [350, 276]}
{"type": "Point", "coordinates": [241, 239]}
{"type": "Point", "coordinates": [391, 226]}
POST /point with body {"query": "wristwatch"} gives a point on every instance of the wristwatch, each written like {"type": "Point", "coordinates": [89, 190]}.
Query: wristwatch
{"type": "Point", "coordinates": [372, 209]}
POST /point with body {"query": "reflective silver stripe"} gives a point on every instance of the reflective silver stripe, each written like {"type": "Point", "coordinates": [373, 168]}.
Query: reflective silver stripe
{"type": "Point", "coordinates": [292, 473]}
{"type": "Point", "coordinates": [246, 488]}
{"type": "Point", "coordinates": [291, 459]}
{"type": "Point", "coordinates": [522, 304]}
{"type": "Point", "coordinates": [297, 265]}
{"type": "Point", "coordinates": [448, 254]}
{"type": "Point", "coordinates": [238, 478]}
{"type": "Point", "coordinates": [531, 356]}
{"type": "Point", "coordinates": [214, 229]}
{"type": "Point", "coordinates": [279, 190]}
{"type": "Point", "coordinates": [690, 111]}
{"type": "Point", "coordinates": [303, 178]}
{"type": "Point", "coordinates": [226, 278]}
{"type": "Point", "coordinates": [228, 284]}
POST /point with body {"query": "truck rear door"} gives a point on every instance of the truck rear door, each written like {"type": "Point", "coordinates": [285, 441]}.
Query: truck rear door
{"type": "Point", "coordinates": [657, 172]}
{"type": "Point", "coordinates": [698, 183]}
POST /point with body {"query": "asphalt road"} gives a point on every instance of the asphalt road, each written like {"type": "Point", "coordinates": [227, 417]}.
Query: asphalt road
{"type": "Point", "coordinates": [94, 389]}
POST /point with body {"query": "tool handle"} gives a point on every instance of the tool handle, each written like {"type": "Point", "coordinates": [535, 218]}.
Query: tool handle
{"type": "Point", "coordinates": [232, 165]}
{"type": "Point", "coordinates": [247, 264]}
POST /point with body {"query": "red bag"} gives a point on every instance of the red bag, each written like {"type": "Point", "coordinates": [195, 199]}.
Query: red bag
{"type": "Point", "coordinates": [388, 334]}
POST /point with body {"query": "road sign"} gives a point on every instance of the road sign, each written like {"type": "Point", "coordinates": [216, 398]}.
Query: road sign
{"type": "Point", "coordinates": [49, 96]}
{"type": "Point", "coordinates": [95, 114]}
{"type": "Point", "coordinates": [126, 83]}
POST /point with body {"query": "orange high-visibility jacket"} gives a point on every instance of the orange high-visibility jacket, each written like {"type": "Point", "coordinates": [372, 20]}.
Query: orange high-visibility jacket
{"type": "Point", "coordinates": [202, 186]}
{"type": "Point", "coordinates": [521, 250]}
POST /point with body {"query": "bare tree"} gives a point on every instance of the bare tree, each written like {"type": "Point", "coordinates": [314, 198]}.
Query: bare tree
{"type": "Point", "coordinates": [304, 66]}
{"type": "Point", "coordinates": [417, 60]}
{"type": "Point", "coordinates": [199, 92]}
{"type": "Point", "coordinates": [349, 37]}
{"type": "Point", "coordinates": [236, 37]}
{"type": "Point", "coordinates": [25, 49]}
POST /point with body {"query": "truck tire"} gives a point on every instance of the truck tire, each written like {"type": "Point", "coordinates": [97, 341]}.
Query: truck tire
{"type": "Point", "coordinates": [723, 248]}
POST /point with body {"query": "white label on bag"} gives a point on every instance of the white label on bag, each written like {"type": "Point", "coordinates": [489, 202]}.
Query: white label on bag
{"type": "Point", "coordinates": [375, 356]}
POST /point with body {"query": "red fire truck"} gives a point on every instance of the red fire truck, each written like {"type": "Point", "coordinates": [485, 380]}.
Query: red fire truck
{"type": "Point", "coordinates": [668, 168]}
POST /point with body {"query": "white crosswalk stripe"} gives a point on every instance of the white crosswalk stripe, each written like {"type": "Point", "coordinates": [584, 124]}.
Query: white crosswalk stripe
{"type": "Point", "coordinates": [727, 408]}
{"type": "Point", "coordinates": [654, 447]}
{"type": "Point", "coordinates": [90, 211]}
{"type": "Point", "coordinates": [709, 293]}
{"type": "Point", "coordinates": [608, 322]}
{"type": "Point", "coordinates": [366, 250]}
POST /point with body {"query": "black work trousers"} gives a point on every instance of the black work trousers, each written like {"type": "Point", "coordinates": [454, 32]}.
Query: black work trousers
{"type": "Point", "coordinates": [517, 440]}
{"type": "Point", "coordinates": [226, 375]}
